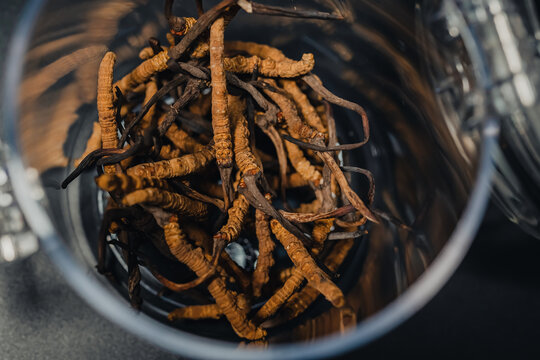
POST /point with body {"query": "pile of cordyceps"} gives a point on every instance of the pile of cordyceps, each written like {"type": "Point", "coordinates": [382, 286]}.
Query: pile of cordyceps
{"type": "Point", "coordinates": [175, 148]}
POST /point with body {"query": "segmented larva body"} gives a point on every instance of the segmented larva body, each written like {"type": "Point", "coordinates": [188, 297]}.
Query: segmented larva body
{"type": "Point", "coordinates": [297, 128]}
{"type": "Point", "coordinates": [224, 298]}
{"type": "Point", "coordinates": [165, 169]}
{"type": "Point", "coordinates": [301, 300]}
{"type": "Point", "coordinates": [220, 119]}
{"type": "Point", "coordinates": [142, 73]}
{"type": "Point", "coordinates": [168, 201]}
{"type": "Point", "coordinates": [128, 183]}
{"type": "Point", "coordinates": [260, 50]}
{"type": "Point", "coordinates": [309, 113]}
{"type": "Point", "coordinates": [196, 312]}
{"type": "Point", "coordinates": [93, 143]}
{"type": "Point", "coordinates": [245, 160]}
{"type": "Point", "coordinates": [105, 106]}
{"type": "Point", "coordinates": [237, 214]}
{"type": "Point", "coordinates": [321, 230]}
{"type": "Point", "coordinates": [265, 260]}
{"type": "Point", "coordinates": [269, 67]}
{"type": "Point", "coordinates": [302, 165]}
{"type": "Point", "coordinates": [307, 266]}
{"type": "Point", "coordinates": [285, 274]}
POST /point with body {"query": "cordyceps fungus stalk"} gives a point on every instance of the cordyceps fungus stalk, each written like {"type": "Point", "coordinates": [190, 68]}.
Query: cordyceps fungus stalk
{"type": "Point", "coordinates": [174, 132]}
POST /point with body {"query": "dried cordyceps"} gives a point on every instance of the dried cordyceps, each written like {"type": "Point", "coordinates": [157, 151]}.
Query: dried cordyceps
{"type": "Point", "coordinates": [182, 166]}
{"type": "Point", "coordinates": [160, 129]}
{"type": "Point", "coordinates": [168, 201]}
{"type": "Point", "coordinates": [307, 266]}
{"type": "Point", "coordinates": [265, 260]}
{"type": "Point", "coordinates": [220, 117]}
{"type": "Point", "coordinates": [196, 312]}
{"type": "Point", "coordinates": [105, 106]}
{"type": "Point", "coordinates": [270, 68]}
{"type": "Point", "coordinates": [225, 300]}
{"type": "Point", "coordinates": [302, 102]}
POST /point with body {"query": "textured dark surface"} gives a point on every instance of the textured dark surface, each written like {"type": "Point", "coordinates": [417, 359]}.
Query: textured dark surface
{"type": "Point", "coordinates": [488, 309]}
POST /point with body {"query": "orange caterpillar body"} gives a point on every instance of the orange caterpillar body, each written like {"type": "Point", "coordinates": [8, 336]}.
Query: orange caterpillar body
{"type": "Point", "coordinates": [220, 118]}
{"type": "Point", "coordinates": [309, 113]}
{"type": "Point", "coordinates": [269, 67]}
{"type": "Point", "coordinates": [237, 213]}
{"type": "Point", "coordinates": [168, 201]}
{"type": "Point", "coordinates": [225, 299]}
{"type": "Point", "coordinates": [305, 263]}
{"type": "Point", "coordinates": [128, 183]}
{"type": "Point", "coordinates": [142, 73]}
{"type": "Point", "coordinates": [265, 260]}
{"type": "Point", "coordinates": [184, 165]}
{"type": "Point", "coordinates": [93, 143]}
{"type": "Point", "coordinates": [245, 160]}
{"type": "Point", "coordinates": [105, 106]}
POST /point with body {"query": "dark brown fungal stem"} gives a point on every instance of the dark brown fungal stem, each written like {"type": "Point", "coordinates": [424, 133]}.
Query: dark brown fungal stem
{"type": "Point", "coordinates": [200, 8]}
{"type": "Point", "coordinates": [368, 175]}
{"type": "Point", "coordinates": [311, 217]}
{"type": "Point", "coordinates": [134, 273]}
{"type": "Point", "coordinates": [155, 45]}
{"type": "Point", "coordinates": [316, 84]}
{"type": "Point", "coordinates": [177, 25]}
{"type": "Point", "coordinates": [192, 90]}
{"type": "Point", "coordinates": [346, 235]}
{"type": "Point", "coordinates": [261, 9]}
{"type": "Point", "coordinates": [319, 148]}
{"type": "Point", "coordinates": [89, 161]}
{"type": "Point", "coordinates": [259, 201]}
{"type": "Point", "coordinates": [157, 96]}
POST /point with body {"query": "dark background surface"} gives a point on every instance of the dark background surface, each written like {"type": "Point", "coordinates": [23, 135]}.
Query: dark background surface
{"type": "Point", "coordinates": [490, 308]}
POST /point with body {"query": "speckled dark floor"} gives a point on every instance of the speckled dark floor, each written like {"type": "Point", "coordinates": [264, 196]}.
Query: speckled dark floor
{"type": "Point", "coordinates": [489, 309]}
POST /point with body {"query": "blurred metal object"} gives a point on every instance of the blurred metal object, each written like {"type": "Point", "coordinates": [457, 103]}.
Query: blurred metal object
{"type": "Point", "coordinates": [17, 240]}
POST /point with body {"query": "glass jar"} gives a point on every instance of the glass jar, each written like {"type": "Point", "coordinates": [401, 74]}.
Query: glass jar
{"type": "Point", "coordinates": [413, 65]}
